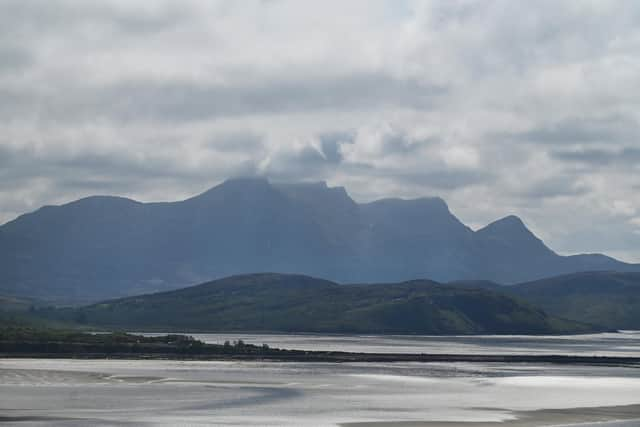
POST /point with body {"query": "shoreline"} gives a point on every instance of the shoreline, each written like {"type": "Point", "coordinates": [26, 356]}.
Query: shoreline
{"type": "Point", "coordinates": [279, 355]}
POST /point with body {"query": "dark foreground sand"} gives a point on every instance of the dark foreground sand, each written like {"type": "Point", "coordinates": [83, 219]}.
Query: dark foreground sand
{"type": "Point", "coordinates": [543, 417]}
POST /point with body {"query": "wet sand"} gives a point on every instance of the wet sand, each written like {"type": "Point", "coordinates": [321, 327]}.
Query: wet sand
{"type": "Point", "coordinates": [539, 418]}
{"type": "Point", "coordinates": [81, 392]}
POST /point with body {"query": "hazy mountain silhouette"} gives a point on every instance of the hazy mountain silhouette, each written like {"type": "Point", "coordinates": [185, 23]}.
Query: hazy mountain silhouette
{"type": "Point", "coordinates": [101, 247]}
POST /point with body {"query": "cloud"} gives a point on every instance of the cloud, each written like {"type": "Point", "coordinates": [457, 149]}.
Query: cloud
{"type": "Point", "coordinates": [131, 101]}
{"type": "Point", "coordinates": [330, 143]}
{"type": "Point", "coordinates": [629, 156]}
{"type": "Point", "coordinates": [499, 107]}
{"type": "Point", "coordinates": [580, 130]}
{"type": "Point", "coordinates": [238, 141]}
{"type": "Point", "coordinates": [12, 60]}
{"type": "Point", "coordinates": [445, 179]}
{"type": "Point", "coordinates": [557, 186]}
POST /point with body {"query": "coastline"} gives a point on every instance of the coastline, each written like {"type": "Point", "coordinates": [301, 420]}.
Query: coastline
{"type": "Point", "coordinates": [280, 355]}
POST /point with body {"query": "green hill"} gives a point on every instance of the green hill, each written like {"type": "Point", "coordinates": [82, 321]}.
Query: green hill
{"type": "Point", "coordinates": [610, 299]}
{"type": "Point", "coordinates": [294, 303]}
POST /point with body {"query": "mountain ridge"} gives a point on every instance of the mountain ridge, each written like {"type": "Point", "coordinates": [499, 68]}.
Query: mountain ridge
{"type": "Point", "coordinates": [107, 246]}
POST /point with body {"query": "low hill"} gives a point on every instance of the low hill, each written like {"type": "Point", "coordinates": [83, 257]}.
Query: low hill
{"type": "Point", "coordinates": [295, 303]}
{"type": "Point", "coordinates": [611, 299]}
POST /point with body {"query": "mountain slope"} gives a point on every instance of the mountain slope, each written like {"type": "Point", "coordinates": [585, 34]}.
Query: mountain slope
{"type": "Point", "coordinates": [605, 298]}
{"type": "Point", "coordinates": [294, 303]}
{"type": "Point", "coordinates": [105, 247]}
{"type": "Point", "coordinates": [506, 251]}
{"type": "Point", "coordinates": [408, 239]}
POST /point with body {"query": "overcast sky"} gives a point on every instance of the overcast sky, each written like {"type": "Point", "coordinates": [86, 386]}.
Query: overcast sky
{"type": "Point", "coordinates": [500, 107]}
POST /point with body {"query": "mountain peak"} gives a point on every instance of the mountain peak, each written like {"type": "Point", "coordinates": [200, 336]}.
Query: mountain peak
{"type": "Point", "coordinates": [414, 211]}
{"type": "Point", "coordinates": [512, 219]}
{"type": "Point", "coordinates": [236, 186]}
{"type": "Point", "coordinates": [508, 224]}
{"type": "Point", "coordinates": [101, 200]}
{"type": "Point", "coordinates": [437, 202]}
{"type": "Point", "coordinates": [419, 203]}
{"type": "Point", "coordinates": [318, 194]}
{"type": "Point", "coordinates": [426, 216]}
{"type": "Point", "coordinates": [510, 241]}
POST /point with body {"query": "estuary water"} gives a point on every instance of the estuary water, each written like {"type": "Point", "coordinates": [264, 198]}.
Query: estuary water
{"type": "Point", "coordinates": [61, 392]}
{"type": "Point", "coordinates": [625, 343]}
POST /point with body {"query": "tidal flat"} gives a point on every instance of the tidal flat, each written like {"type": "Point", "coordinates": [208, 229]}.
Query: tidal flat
{"type": "Point", "coordinates": [75, 392]}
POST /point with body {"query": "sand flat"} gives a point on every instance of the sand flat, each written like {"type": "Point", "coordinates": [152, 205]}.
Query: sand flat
{"type": "Point", "coordinates": [539, 418]}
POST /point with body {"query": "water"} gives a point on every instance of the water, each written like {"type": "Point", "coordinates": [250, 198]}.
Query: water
{"type": "Point", "coordinates": [61, 392]}
{"type": "Point", "coordinates": [609, 344]}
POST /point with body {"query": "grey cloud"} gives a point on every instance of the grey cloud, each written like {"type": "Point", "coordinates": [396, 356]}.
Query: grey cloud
{"type": "Point", "coordinates": [331, 151]}
{"type": "Point", "coordinates": [443, 179]}
{"type": "Point", "coordinates": [310, 156]}
{"type": "Point", "coordinates": [13, 59]}
{"type": "Point", "coordinates": [559, 186]}
{"type": "Point", "coordinates": [116, 170]}
{"type": "Point", "coordinates": [395, 143]}
{"type": "Point", "coordinates": [31, 19]}
{"type": "Point", "coordinates": [185, 101]}
{"type": "Point", "coordinates": [236, 142]}
{"type": "Point", "coordinates": [25, 17]}
{"type": "Point", "coordinates": [7, 156]}
{"type": "Point", "coordinates": [449, 179]}
{"type": "Point", "coordinates": [338, 136]}
{"type": "Point", "coordinates": [600, 157]}
{"type": "Point", "coordinates": [401, 143]}
{"type": "Point", "coordinates": [522, 36]}
{"type": "Point", "coordinates": [16, 104]}
{"type": "Point", "coordinates": [330, 143]}
{"type": "Point", "coordinates": [120, 165]}
{"type": "Point", "coordinates": [27, 164]}
{"type": "Point", "coordinates": [316, 163]}
{"type": "Point", "coordinates": [310, 163]}
{"type": "Point", "coordinates": [110, 185]}
{"type": "Point", "coordinates": [307, 163]}
{"type": "Point", "coordinates": [580, 131]}
{"type": "Point", "coordinates": [169, 17]}
{"type": "Point", "coordinates": [600, 235]}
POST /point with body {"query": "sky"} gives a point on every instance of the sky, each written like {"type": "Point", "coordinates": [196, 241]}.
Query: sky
{"type": "Point", "coordinates": [500, 107]}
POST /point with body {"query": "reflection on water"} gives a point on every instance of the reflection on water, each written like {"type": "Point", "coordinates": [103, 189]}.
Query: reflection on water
{"type": "Point", "coordinates": [117, 392]}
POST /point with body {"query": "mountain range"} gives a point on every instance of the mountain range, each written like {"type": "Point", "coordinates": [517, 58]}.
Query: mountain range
{"type": "Point", "coordinates": [103, 247]}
